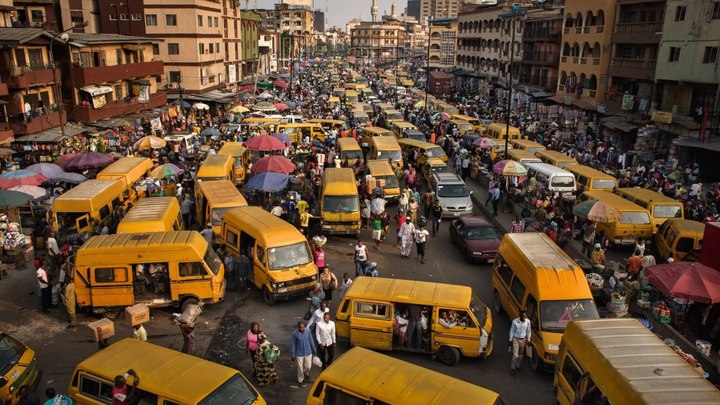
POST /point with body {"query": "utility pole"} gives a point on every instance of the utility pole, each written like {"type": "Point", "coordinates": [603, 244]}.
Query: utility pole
{"type": "Point", "coordinates": [427, 68]}
{"type": "Point", "coordinates": [510, 88]}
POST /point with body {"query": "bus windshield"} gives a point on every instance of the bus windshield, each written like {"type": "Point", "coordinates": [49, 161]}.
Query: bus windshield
{"type": "Point", "coordinates": [563, 181]}
{"type": "Point", "coordinates": [393, 155]}
{"type": "Point", "coordinates": [288, 256]}
{"type": "Point", "coordinates": [10, 352]}
{"type": "Point", "coordinates": [555, 315]}
{"type": "Point", "coordinates": [233, 391]}
{"type": "Point", "coordinates": [351, 154]}
{"type": "Point", "coordinates": [219, 213]}
{"type": "Point", "coordinates": [667, 211]}
{"type": "Point", "coordinates": [603, 184]}
{"type": "Point", "coordinates": [212, 260]}
{"type": "Point", "coordinates": [634, 217]}
{"type": "Point", "coordinates": [390, 181]}
{"type": "Point", "coordinates": [339, 203]}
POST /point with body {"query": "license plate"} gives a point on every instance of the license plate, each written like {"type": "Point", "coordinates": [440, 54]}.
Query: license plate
{"type": "Point", "coordinates": [491, 260]}
{"type": "Point", "coordinates": [282, 290]}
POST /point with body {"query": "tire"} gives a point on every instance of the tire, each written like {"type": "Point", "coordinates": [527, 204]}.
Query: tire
{"type": "Point", "coordinates": [111, 314]}
{"type": "Point", "coordinates": [535, 363]}
{"type": "Point", "coordinates": [187, 302]}
{"type": "Point", "coordinates": [497, 305]}
{"type": "Point", "coordinates": [448, 356]}
{"type": "Point", "coordinates": [267, 297]}
{"type": "Point", "coordinates": [469, 257]}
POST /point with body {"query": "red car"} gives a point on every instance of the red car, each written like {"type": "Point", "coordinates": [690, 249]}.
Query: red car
{"type": "Point", "coordinates": [477, 238]}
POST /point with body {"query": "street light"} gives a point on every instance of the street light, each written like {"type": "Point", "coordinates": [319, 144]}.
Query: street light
{"type": "Point", "coordinates": [65, 37]}
{"type": "Point", "coordinates": [427, 67]}
{"type": "Point", "coordinates": [515, 9]}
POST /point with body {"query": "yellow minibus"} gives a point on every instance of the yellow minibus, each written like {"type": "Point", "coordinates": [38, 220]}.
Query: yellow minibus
{"type": "Point", "coordinates": [167, 377]}
{"type": "Point", "coordinates": [298, 132]}
{"type": "Point", "coordinates": [634, 223]}
{"type": "Point", "coordinates": [158, 214]}
{"type": "Point", "coordinates": [531, 272]}
{"type": "Point", "coordinates": [212, 200]}
{"type": "Point", "coordinates": [265, 122]}
{"type": "Point", "coordinates": [677, 238]}
{"type": "Point", "coordinates": [432, 166]}
{"type": "Point", "coordinates": [446, 108]}
{"type": "Point", "coordinates": [129, 170]}
{"type": "Point", "coordinates": [527, 145]}
{"type": "Point", "coordinates": [555, 158]}
{"type": "Point", "coordinates": [499, 130]}
{"type": "Point", "coordinates": [241, 156]}
{"type": "Point", "coordinates": [386, 148]}
{"type": "Point", "coordinates": [463, 127]}
{"type": "Point", "coordinates": [349, 152]}
{"type": "Point", "coordinates": [158, 269]}
{"type": "Point", "coordinates": [521, 156]}
{"type": "Point", "coordinates": [362, 376]}
{"type": "Point", "coordinates": [475, 122]}
{"type": "Point", "coordinates": [621, 362]}
{"type": "Point", "coordinates": [381, 170]}
{"type": "Point", "coordinates": [87, 205]}
{"type": "Point", "coordinates": [368, 133]}
{"type": "Point", "coordinates": [216, 167]}
{"type": "Point", "coordinates": [366, 313]}
{"type": "Point", "coordinates": [282, 264]}
{"type": "Point", "coordinates": [18, 365]}
{"type": "Point", "coordinates": [328, 125]}
{"type": "Point", "coordinates": [660, 206]}
{"type": "Point", "coordinates": [351, 97]}
{"type": "Point", "coordinates": [425, 150]}
{"type": "Point", "coordinates": [340, 202]}
{"type": "Point", "coordinates": [392, 115]}
{"type": "Point", "coordinates": [589, 179]}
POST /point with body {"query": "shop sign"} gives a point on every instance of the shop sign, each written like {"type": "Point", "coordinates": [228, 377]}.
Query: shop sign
{"type": "Point", "coordinates": [628, 102]}
{"type": "Point", "coordinates": [232, 73]}
{"type": "Point", "coordinates": [661, 116]}
{"type": "Point", "coordinates": [568, 99]}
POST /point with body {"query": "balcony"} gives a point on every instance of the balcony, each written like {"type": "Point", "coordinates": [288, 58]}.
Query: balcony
{"type": "Point", "coordinates": [23, 77]}
{"type": "Point", "coordinates": [541, 58]}
{"type": "Point", "coordinates": [6, 134]}
{"type": "Point", "coordinates": [4, 89]}
{"type": "Point", "coordinates": [639, 69]}
{"type": "Point", "coordinates": [86, 113]}
{"type": "Point", "coordinates": [83, 76]}
{"type": "Point", "coordinates": [542, 35]}
{"type": "Point", "coordinates": [21, 125]}
{"type": "Point", "coordinates": [542, 82]}
{"type": "Point", "coordinates": [638, 33]}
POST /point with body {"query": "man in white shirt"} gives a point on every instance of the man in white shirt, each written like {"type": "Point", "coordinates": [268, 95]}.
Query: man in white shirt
{"type": "Point", "coordinates": [520, 332]}
{"type": "Point", "coordinates": [44, 284]}
{"type": "Point", "coordinates": [325, 335]}
{"type": "Point", "coordinates": [53, 251]}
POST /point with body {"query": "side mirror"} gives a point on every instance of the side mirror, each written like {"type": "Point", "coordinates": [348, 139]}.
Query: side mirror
{"type": "Point", "coordinates": [3, 381]}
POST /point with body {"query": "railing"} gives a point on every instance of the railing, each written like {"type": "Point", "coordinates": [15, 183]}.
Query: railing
{"type": "Point", "coordinates": [634, 63]}
{"type": "Point", "coordinates": [563, 59]}
{"type": "Point", "coordinates": [596, 61]}
{"type": "Point", "coordinates": [566, 30]}
{"type": "Point", "coordinates": [14, 70]}
{"type": "Point", "coordinates": [639, 27]}
{"type": "Point", "coordinates": [540, 81]}
{"type": "Point", "coordinates": [576, 60]}
{"type": "Point", "coordinates": [583, 61]}
{"type": "Point", "coordinates": [599, 29]}
{"type": "Point", "coordinates": [549, 57]}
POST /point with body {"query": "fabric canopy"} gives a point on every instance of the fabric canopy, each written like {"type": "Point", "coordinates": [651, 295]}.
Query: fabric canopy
{"type": "Point", "coordinates": [97, 90]}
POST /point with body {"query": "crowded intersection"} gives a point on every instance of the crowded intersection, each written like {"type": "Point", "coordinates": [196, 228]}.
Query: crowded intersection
{"type": "Point", "coordinates": [337, 234]}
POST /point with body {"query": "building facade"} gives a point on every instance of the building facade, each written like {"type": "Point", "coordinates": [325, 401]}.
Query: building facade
{"type": "Point", "coordinates": [79, 12]}
{"type": "Point", "coordinates": [124, 18]}
{"type": "Point", "coordinates": [438, 9]}
{"type": "Point", "coordinates": [413, 9]}
{"type": "Point", "coordinates": [36, 14]}
{"type": "Point", "coordinates": [319, 20]}
{"type": "Point", "coordinates": [443, 42]}
{"type": "Point", "coordinates": [380, 42]}
{"type": "Point", "coordinates": [541, 34]}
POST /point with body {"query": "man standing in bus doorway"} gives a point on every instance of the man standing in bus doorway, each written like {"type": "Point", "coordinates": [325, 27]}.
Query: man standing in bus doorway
{"type": "Point", "coordinates": [519, 338]}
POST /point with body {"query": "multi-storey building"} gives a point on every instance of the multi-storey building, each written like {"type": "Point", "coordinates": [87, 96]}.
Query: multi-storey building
{"type": "Point", "coordinates": [297, 21]}
{"type": "Point", "coordinates": [541, 34]}
{"type": "Point", "coordinates": [438, 9]}
{"type": "Point", "coordinates": [241, 45]}
{"type": "Point", "coordinates": [319, 20]}
{"type": "Point", "coordinates": [80, 12]}
{"type": "Point", "coordinates": [268, 48]}
{"type": "Point", "coordinates": [413, 9]}
{"type": "Point", "coordinates": [377, 41]}
{"type": "Point", "coordinates": [443, 42]}
{"type": "Point", "coordinates": [268, 19]}
{"type": "Point", "coordinates": [7, 11]}
{"type": "Point", "coordinates": [120, 17]}
{"type": "Point", "coordinates": [36, 14]}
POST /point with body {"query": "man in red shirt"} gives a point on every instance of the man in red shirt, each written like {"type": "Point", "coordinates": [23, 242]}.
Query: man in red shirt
{"type": "Point", "coordinates": [121, 395]}
{"type": "Point", "coordinates": [634, 265]}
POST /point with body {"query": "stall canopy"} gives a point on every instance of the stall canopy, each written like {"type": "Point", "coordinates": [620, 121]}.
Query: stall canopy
{"type": "Point", "coordinates": [97, 90]}
{"type": "Point", "coordinates": [53, 134]}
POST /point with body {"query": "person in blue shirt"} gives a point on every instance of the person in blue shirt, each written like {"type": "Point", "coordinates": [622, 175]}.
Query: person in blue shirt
{"type": "Point", "coordinates": [302, 350]}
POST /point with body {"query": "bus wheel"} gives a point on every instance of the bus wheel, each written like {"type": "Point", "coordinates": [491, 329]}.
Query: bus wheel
{"type": "Point", "coordinates": [535, 362]}
{"type": "Point", "coordinates": [449, 356]}
{"type": "Point", "coordinates": [111, 314]}
{"type": "Point", "coordinates": [497, 305]}
{"type": "Point", "coordinates": [267, 297]}
{"type": "Point", "coordinates": [187, 302]}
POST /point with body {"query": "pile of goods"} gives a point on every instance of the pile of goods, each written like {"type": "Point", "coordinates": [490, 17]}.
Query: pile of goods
{"type": "Point", "coordinates": [661, 312]}
{"type": "Point", "coordinates": [595, 281]}
{"type": "Point", "coordinates": [617, 307]}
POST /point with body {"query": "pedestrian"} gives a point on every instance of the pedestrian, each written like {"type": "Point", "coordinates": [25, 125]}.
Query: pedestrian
{"type": "Point", "coordinates": [414, 329]}
{"type": "Point", "coordinates": [372, 270]}
{"type": "Point", "coordinates": [400, 219]}
{"type": "Point", "coordinates": [436, 217]}
{"type": "Point", "coordinates": [519, 337]}
{"type": "Point", "coordinates": [121, 394]}
{"type": "Point", "coordinates": [377, 227]}
{"type": "Point", "coordinates": [208, 233]}
{"type": "Point", "coordinates": [346, 283]}
{"type": "Point", "coordinates": [188, 334]}
{"type": "Point", "coordinates": [70, 302]}
{"type": "Point", "coordinates": [44, 285]}
{"type": "Point", "coordinates": [302, 350]}
{"type": "Point", "coordinates": [230, 271]}
{"type": "Point", "coordinates": [518, 225]}
{"type": "Point", "coordinates": [427, 202]}
{"type": "Point", "coordinates": [242, 268]}
{"type": "Point", "coordinates": [140, 333]}
{"type": "Point", "coordinates": [495, 198]}
{"type": "Point", "coordinates": [265, 359]}
{"type": "Point", "coordinates": [27, 397]}
{"type": "Point", "coordinates": [329, 283]}
{"type": "Point", "coordinates": [407, 234]}
{"type": "Point", "coordinates": [325, 334]}
{"type": "Point", "coordinates": [421, 237]}
{"type": "Point", "coordinates": [53, 252]}
{"type": "Point", "coordinates": [361, 258]}
{"type": "Point", "coordinates": [588, 231]}
{"type": "Point", "coordinates": [185, 209]}
{"type": "Point", "coordinates": [251, 342]}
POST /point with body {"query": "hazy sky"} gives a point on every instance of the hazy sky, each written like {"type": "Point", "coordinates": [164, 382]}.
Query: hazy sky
{"type": "Point", "coordinates": [340, 12]}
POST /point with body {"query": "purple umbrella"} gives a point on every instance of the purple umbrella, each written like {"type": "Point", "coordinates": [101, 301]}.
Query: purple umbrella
{"type": "Point", "coordinates": [49, 170]}
{"type": "Point", "coordinates": [89, 160]}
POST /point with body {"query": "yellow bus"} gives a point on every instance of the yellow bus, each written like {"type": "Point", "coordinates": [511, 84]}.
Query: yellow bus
{"type": "Point", "coordinates": [241, 156]}
{"type": "Point", "coordinates": [386, 380]}
{"type": "Point", "coordinates": [425, 150]}
{"type": "Point", "coordinates": [216, 167]}
{"type": "Point", "coordinates": [87, 205]}
{"type": "Point", "coordinates": [328, 125]}
{"type": "Point", "coordinates": [498, 131]}
{"type": "Point", "coordinates": [18, 365]}
{"type": "Point", "coordinates": [446, 108]}
{"type": "Point", "coordinates": [556, 158]}
{"type": "Point", "coordinates": [340, 202]}
{"type": "Point", "coordinates": [368, 133]}
{"type": "Point", "coordinates": [212, 200]}
{"type": "Point", "coordinates": [393, 115]}
{"type": "Point", "coordinates": [349, 151]}
{"type": "Point", "coordinates": [589, 179]}
{"type": "Point", "coordinates": [531, 272]}
{"type": "Point", "coordinates": [475, 122]}
{"type": "Point", "coordinates": [678, 238]}
{"type": "Point", "coordinates": [634, 222]}
{"type": "Point", "coordinates": [660, 206]}
{"type": "Point", "coordinates": [282, 265]}
{"type": "Point", "coordinates": [167, 377]}
{"type": "Point", "coordinates": [351, 97]}
{"type": "Point", "coordinates": [159, 214]}
{"type": "Point", "coordinates": [301, 130]}
{"type": "Point", "coordinates": [381, 170]}
{"type": "Point", "coordinates": [621, 362]}
{"type": "Point", "coordinates": [386, 148]}
{"type": "Point", "coordinates": [262, 121]}
{"type": "Point", "coordinates": [129, 170]}
{"type": "Point", "coordinates": [521, 156]}
{"type": "Point", "coordinates": [527, 145]}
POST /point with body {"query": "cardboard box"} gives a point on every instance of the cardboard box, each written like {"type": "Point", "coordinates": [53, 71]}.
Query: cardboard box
{"type": "Point", "coordinates": [102, 329]}
{"type": "Point", "coordinates": [138, 314]}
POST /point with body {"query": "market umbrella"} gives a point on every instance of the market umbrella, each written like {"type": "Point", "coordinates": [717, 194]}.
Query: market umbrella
{"type": "Point", "coordinates": [249, 88]}
{"type": "Point", "coordinates": [49, 170]}
{"type": "Point", "coordinates": [73, 178]}
{"type": "Point", "coordinates": [21, 177]}
{"type": "Point", "coordinates": [184, 103]}
{"type": "Point", "coordinates": [268, 182]}
{"type": "Point", "coordinates": [149, 142]}
{"type": "Point", "coordinates": [239, 109]}
{"type": "Point", "coordinates": [88, 160]}
{"type": "Point", "coordinates": [509, 168]}
{"type": "Point", "coordinates": [280, 83]}
{"type": "Point", "coordinates": [284, 76]}
{"type": "Point", "coordinates": [264, 95]}
{"type": "Point", "coordinates": [687, 280]}
{"type": "Point", "coordinates": [6, 151]}
{"type": "Point", "coordinates": [164, 171]}
{"type": "Point", "coordinates": [264, 85]}
{"type": "Point", "coordinates": [444, 116]}
{"type": "Point", "coordinates": [201, 106]}
{"type": "Point", "coordinates": [63, 160]}
{"type": "Point", "coordinates": [263, 106]}
{"type": "Point", "coordinates": [484, 143]}
{"type": "Point", "coordinates": [290, 104]}
{"type": "Point", "coordinates": [13, 198]}
{"type": "Point", "coordinates": [264, 143]}
{"type": "Point", "coordinates": [34, 191]}
{"type": "Point", "coordinates": [283, 137]}
{"type": "Point", "coordinates": [277, 164]}
{"type": "Point", "coordinates": [210, 132]}
{"type": "Point", "coordinates": [281, 106]}
{"type": "Point", "coordinates": [598, 211]}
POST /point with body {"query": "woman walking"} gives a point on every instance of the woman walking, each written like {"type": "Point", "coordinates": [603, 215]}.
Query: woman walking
{"type": "Point", "coordinates": [265, 359]}
{"type": "Point", "coordinates": [251, 344]}
{"type": "Point", "coordinates": [329, 283]}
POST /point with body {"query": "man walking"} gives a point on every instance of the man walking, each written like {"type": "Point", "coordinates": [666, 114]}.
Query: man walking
{"type": "Point", "coordinates": [414, 328]}
{"type": "Point", "coordinates": [361, 258]}
{"type": "Point", "coordinates": [53, 252]}
{"type": "Point", "coordinates": [44, 284]}
{"type": "Point", "coordinates": [437, 210]}
{"type": "Point", "coordinates": [495, 198]}
{"type": "Point", "coordinates": [519, 338]}
{"type": "Point", "coordinates": [421, 237]}
{"type": "Point", "coordinates": [70, 301]}
{"type": "Point", "coordinates": [407, 234]}
{"type": "Point", "coordinates": [302, 349]}
{"type": "Point", "coordinates": [517, 226]}
{"type": "Point", "coordinates": [325, 334]}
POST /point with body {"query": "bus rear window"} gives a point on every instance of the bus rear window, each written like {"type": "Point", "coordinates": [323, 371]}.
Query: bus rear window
{"type": "Point", "coordinates": [233, 391]}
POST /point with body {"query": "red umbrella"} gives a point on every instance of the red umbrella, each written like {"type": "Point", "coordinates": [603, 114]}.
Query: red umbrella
{"type": "Point", "coordinates": [21, 178]}
{"type": "Point", "coordinates": [249, 88]}
{"type": "Point", "coordinates": [63, 160]}
{"type": "Point", "coordinates": [280, 83]}
{"type": "Point", "coordinates": [89, 160]}
{"type": "Point", "coordinates": [688, 280]}
{"type": "Point", "coordinates": [281, 106]}
{"type": "Point", "coordinates": [264, 143]}
{"type": "Point", "coordinates": [278, 164]}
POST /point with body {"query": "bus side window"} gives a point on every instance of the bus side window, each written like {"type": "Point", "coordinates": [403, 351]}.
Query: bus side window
{"type": "Point", "coordinates": [531, 307]}
{"type": "Point", "coordinates": [571, 372]}
{"type": "Point", "coordinates": [336, 396]}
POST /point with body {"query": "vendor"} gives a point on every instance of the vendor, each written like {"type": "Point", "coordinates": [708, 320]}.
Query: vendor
{"type": "Point", "coordinates": [634, 264]}
{"type": "Point", "coordinates": [598, 256]}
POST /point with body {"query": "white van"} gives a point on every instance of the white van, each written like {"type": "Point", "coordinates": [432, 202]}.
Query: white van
{"type": "Point", "coordinates": [288, 119]}
{"type": "Point", "coordinates": [401, 91]}
{"type": "Point", "coordinates": [186, 140]}
{"type": "Point", "coordinates": [554, 179]}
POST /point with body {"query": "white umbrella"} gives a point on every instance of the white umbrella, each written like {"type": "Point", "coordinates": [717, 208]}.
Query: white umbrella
{"type": "Point", "coordinates": [201, 106]}
{"type": "Point", "coordinates": [34, 191]}
{"type": "Point", "coordinates": [264, 95]}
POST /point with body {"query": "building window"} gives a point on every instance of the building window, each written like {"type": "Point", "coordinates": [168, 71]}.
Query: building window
{"type": "Point", "coordinates": [151, 20]}
{"type": "Point", "coordinates": [211, 49]}
{"type": "Point", "coordinates": [113, 17]}
{"type": "Point", "coordinates": [171, 19]}
{"type": "Point", "coordinates": [199, 21]}
{"type": "Point", "coordinates": [711, 53]}
{"type": "Point", "coordinates": [201, 48]}
{"type": "Point", "coordinates": [209, 24]}
{"type": "Point", "coordinates": [37, 16]}
{"type": "Point", "coordinates": [715, 13]}
{"type": "Point", "coordinates": [674, 54]}
{"type": "Point", "coordinates": [175, 76]}
{"type": "Point", "coordinates": [217, 47]}
{"type": "Point", "coordinates": [137, 17]}
{"type": "Point", "coordinates": [217, 24]}
{"type": "Point", "coordinates": [123, 17]}
{"type": "Point", "coordinates": [76, 20]}
{"type": "Point", "coordinates": [156, 49]}
{"type": "Point", "coordinates": [174, 49]}
{"type": "Point", "coordinates": [118, 57]}
{"type": "Point", "coordinates": [118, 92]}
{"type": "Point", "coordinates": [680, 13]}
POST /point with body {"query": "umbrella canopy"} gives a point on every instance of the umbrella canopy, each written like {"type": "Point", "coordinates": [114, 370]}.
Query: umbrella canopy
{"type": "Point", "coordinates": [6, 152]}
{"type": "Point", "coordinates": [88, 160]}
{"type": "Point", "coordinates": [13, 199]}
{"type": "Point", "coordinates": [63, 160]}
{"type": "Point", "coordinates": [278, 164]}
{"type": "Point", "coordinates": [280, 83]}
{"type": "Point", "coordinates": [688, 280]}
{"type": "Point", "coordinates": [210, 132]}
{"type": "Point", "coordinates": [184, 103]}
{"type": "Point", "coordinates": [239, 109]}
{"type": "Point", "coordinates": [420, 104]}
{"type": "Point", "coordinates": [283, 137]}
{"type": "Point", "coordinates": [443, 116]}
{"type": "Point", "coordinates": [598, 211]}
{"type": "Point", "coordinates": [268, 182]}
{"type": "Point", "coordinates": [484, 143]}
{"type": "Point", "coordinates": [264, 143]}
{"type": "Point", "coordinates": [290, 104]}
{"type": "Point", "coordinates": [264, 106]}
{"type": "Point", "coordinates": [201, 106]}
{"type": "Point", "coordinates": [21, 178]}
{"type": "Point", "coordinates": [149, 142]}
{"type": "Point", "coordinates": [34, 191]}
{"type": "Point", "coordinates": [165, 171]}
{"type": "Point", "coordinates": [285, 76]}
{"type": "Point", "coordinates": [509, 168]}
{"type": "Point", "coordinates": [281, 106]}
{"type": "Point", "coordinates": [249, 88]}
{"type": "Point", "coordinates": [73, 178]}
{"type": "Point", "coordinates": [264, 95]}
{"type": "Point", "coordinates": [265, 85]}
{"type": "Point", "coordinates": [49, 170]}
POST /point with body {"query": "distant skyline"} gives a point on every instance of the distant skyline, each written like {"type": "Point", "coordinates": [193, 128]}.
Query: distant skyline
{"type": "Point", "coordinates": [339, 12]}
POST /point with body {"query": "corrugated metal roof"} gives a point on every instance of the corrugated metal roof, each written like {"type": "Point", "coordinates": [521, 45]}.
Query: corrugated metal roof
{"type": "Point", "coordinates": [53, 134]}
{"type": "Point", "coordinates": [81, 38]}
{"type": "Point", "coordinates": [19, 36]}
